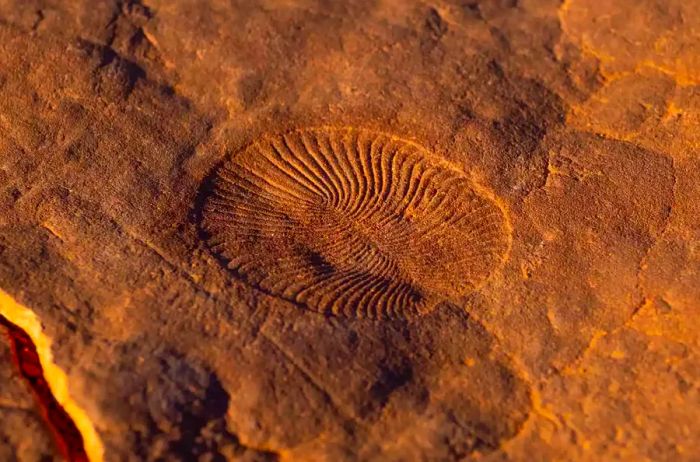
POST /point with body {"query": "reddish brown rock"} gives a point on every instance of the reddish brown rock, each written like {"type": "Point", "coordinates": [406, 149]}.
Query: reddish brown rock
{"type": "Point", "coordinates": [24, 435]}
{"type": "Point", "coordinates": [580, 345]}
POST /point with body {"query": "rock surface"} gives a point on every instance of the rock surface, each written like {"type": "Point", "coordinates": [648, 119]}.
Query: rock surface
{"type": "Point", "coordinates": [23, 434]}
{"type": "Point", "coordinates": [580, 121]}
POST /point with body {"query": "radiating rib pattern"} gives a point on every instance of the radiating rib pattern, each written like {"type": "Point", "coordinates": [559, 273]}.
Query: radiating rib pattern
{"type": "Point", "coordinates": [353, 223]}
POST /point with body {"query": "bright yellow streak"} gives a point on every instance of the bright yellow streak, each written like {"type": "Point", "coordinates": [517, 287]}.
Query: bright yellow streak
{"type": "Point", "coordinates": [25, 319]}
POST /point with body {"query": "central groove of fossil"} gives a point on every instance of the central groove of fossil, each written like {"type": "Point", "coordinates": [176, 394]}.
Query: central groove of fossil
{"type": "Point", "coordinates": [353, 223]}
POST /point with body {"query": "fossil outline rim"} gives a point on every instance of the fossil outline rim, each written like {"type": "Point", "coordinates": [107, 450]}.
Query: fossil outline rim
{"type": "Point", "coordinates": [279, 185]}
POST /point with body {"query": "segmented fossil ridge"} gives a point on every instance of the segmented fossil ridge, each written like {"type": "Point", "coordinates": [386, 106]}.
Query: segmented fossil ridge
{"type": "Point", "coordinates": [353, 223]}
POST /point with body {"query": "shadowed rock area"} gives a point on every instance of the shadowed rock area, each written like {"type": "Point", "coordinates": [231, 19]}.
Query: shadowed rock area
{"type": "Point", "coordinates": [506, 269]}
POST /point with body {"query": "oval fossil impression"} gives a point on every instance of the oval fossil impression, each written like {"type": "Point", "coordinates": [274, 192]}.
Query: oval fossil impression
{"type": "Point", "coordinates": [353, 223]}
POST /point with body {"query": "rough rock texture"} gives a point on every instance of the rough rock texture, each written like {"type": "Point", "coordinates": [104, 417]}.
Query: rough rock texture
{"type": "Point", "coordinates": [581, 119]}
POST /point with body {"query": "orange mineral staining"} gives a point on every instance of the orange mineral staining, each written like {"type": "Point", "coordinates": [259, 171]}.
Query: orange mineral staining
{"type": "Point", "coordinates": [67, 436]}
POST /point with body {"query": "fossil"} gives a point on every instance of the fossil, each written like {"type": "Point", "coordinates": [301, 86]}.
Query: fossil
{"type": "Point", "coordinates": [353, 223]}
